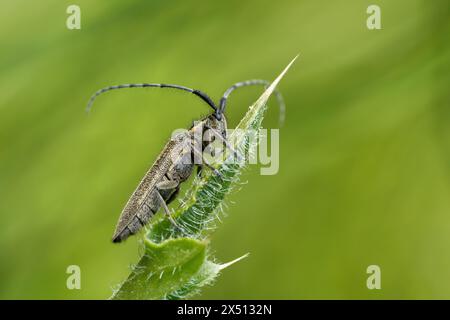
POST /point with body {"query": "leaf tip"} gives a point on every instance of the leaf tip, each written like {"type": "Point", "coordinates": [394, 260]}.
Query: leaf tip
{"type": "Point", "coordinates": [265, 96]}
{"type": "Point", "coordinates": [277, 80]}
{"type": "Point", "coordinates": [226, 265]}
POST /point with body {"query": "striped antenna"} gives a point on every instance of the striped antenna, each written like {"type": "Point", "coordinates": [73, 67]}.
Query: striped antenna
{"type": "Point", "coordinates": [198, 93]}
{"type": "Point", "coordinates": [253, 82]}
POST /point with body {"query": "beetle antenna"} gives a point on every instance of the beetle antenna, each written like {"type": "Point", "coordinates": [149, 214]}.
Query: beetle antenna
{"type": "Point", "coordinates": [265, 83]}
{"type": "Point", "coordinates": [198, 93]}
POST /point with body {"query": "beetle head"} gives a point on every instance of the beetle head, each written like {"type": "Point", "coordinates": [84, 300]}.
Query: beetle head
{"type": "Point", "coordinates": [218, 124]}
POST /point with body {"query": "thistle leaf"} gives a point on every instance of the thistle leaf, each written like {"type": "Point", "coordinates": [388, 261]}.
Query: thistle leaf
{"type": "Point", "coordinates": [164, 269]}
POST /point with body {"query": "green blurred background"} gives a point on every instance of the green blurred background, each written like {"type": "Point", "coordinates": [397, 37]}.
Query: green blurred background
{"type": "Point", "coordinates": [365, 151]}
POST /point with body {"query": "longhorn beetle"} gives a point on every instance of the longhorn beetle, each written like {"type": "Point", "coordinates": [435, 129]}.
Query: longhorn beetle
{"type": "Point", "coordinates": [161, 183]}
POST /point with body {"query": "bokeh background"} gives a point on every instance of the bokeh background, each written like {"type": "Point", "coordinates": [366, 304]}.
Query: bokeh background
{"type": "Point", "coordinates": [365, 151]}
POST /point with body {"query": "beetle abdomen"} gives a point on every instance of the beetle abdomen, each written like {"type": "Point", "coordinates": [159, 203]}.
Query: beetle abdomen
{"type": "Point", "coordinates": [144, 202]}
{"type": "Point", "coordinates": [145, 212]}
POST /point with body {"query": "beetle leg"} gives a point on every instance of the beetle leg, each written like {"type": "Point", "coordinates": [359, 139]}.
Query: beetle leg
{"type": "Point", "coordinates": [173, 195]}
{"type": "Point", "coordinates": [227, 144]}
{"type": "Point", "coordinates": [166, 210]}
{"type": "Point", "coordinates": [199, 171]}
{"type": "Point", "coordinates": [167, 185]}
{"type": "Point", "coordinates": [209, 165]}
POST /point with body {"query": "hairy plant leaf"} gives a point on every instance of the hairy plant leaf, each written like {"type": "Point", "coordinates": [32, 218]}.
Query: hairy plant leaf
{"type": "Point", "coordinates": [163, 269]}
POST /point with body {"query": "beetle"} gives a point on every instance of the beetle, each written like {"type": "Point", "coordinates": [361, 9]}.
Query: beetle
{"type": "Point", "coordinates": [174, 165]}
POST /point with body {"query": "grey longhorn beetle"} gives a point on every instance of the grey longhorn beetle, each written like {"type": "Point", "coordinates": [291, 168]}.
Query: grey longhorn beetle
{"type": "Point", "coordinates": [174, 165]}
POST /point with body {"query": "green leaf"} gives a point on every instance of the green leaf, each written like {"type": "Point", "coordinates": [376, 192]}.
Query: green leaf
{"type": "Point", "coordinates": [175, 264]}
{"type": "Point", "coordinates": [164, 269]}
